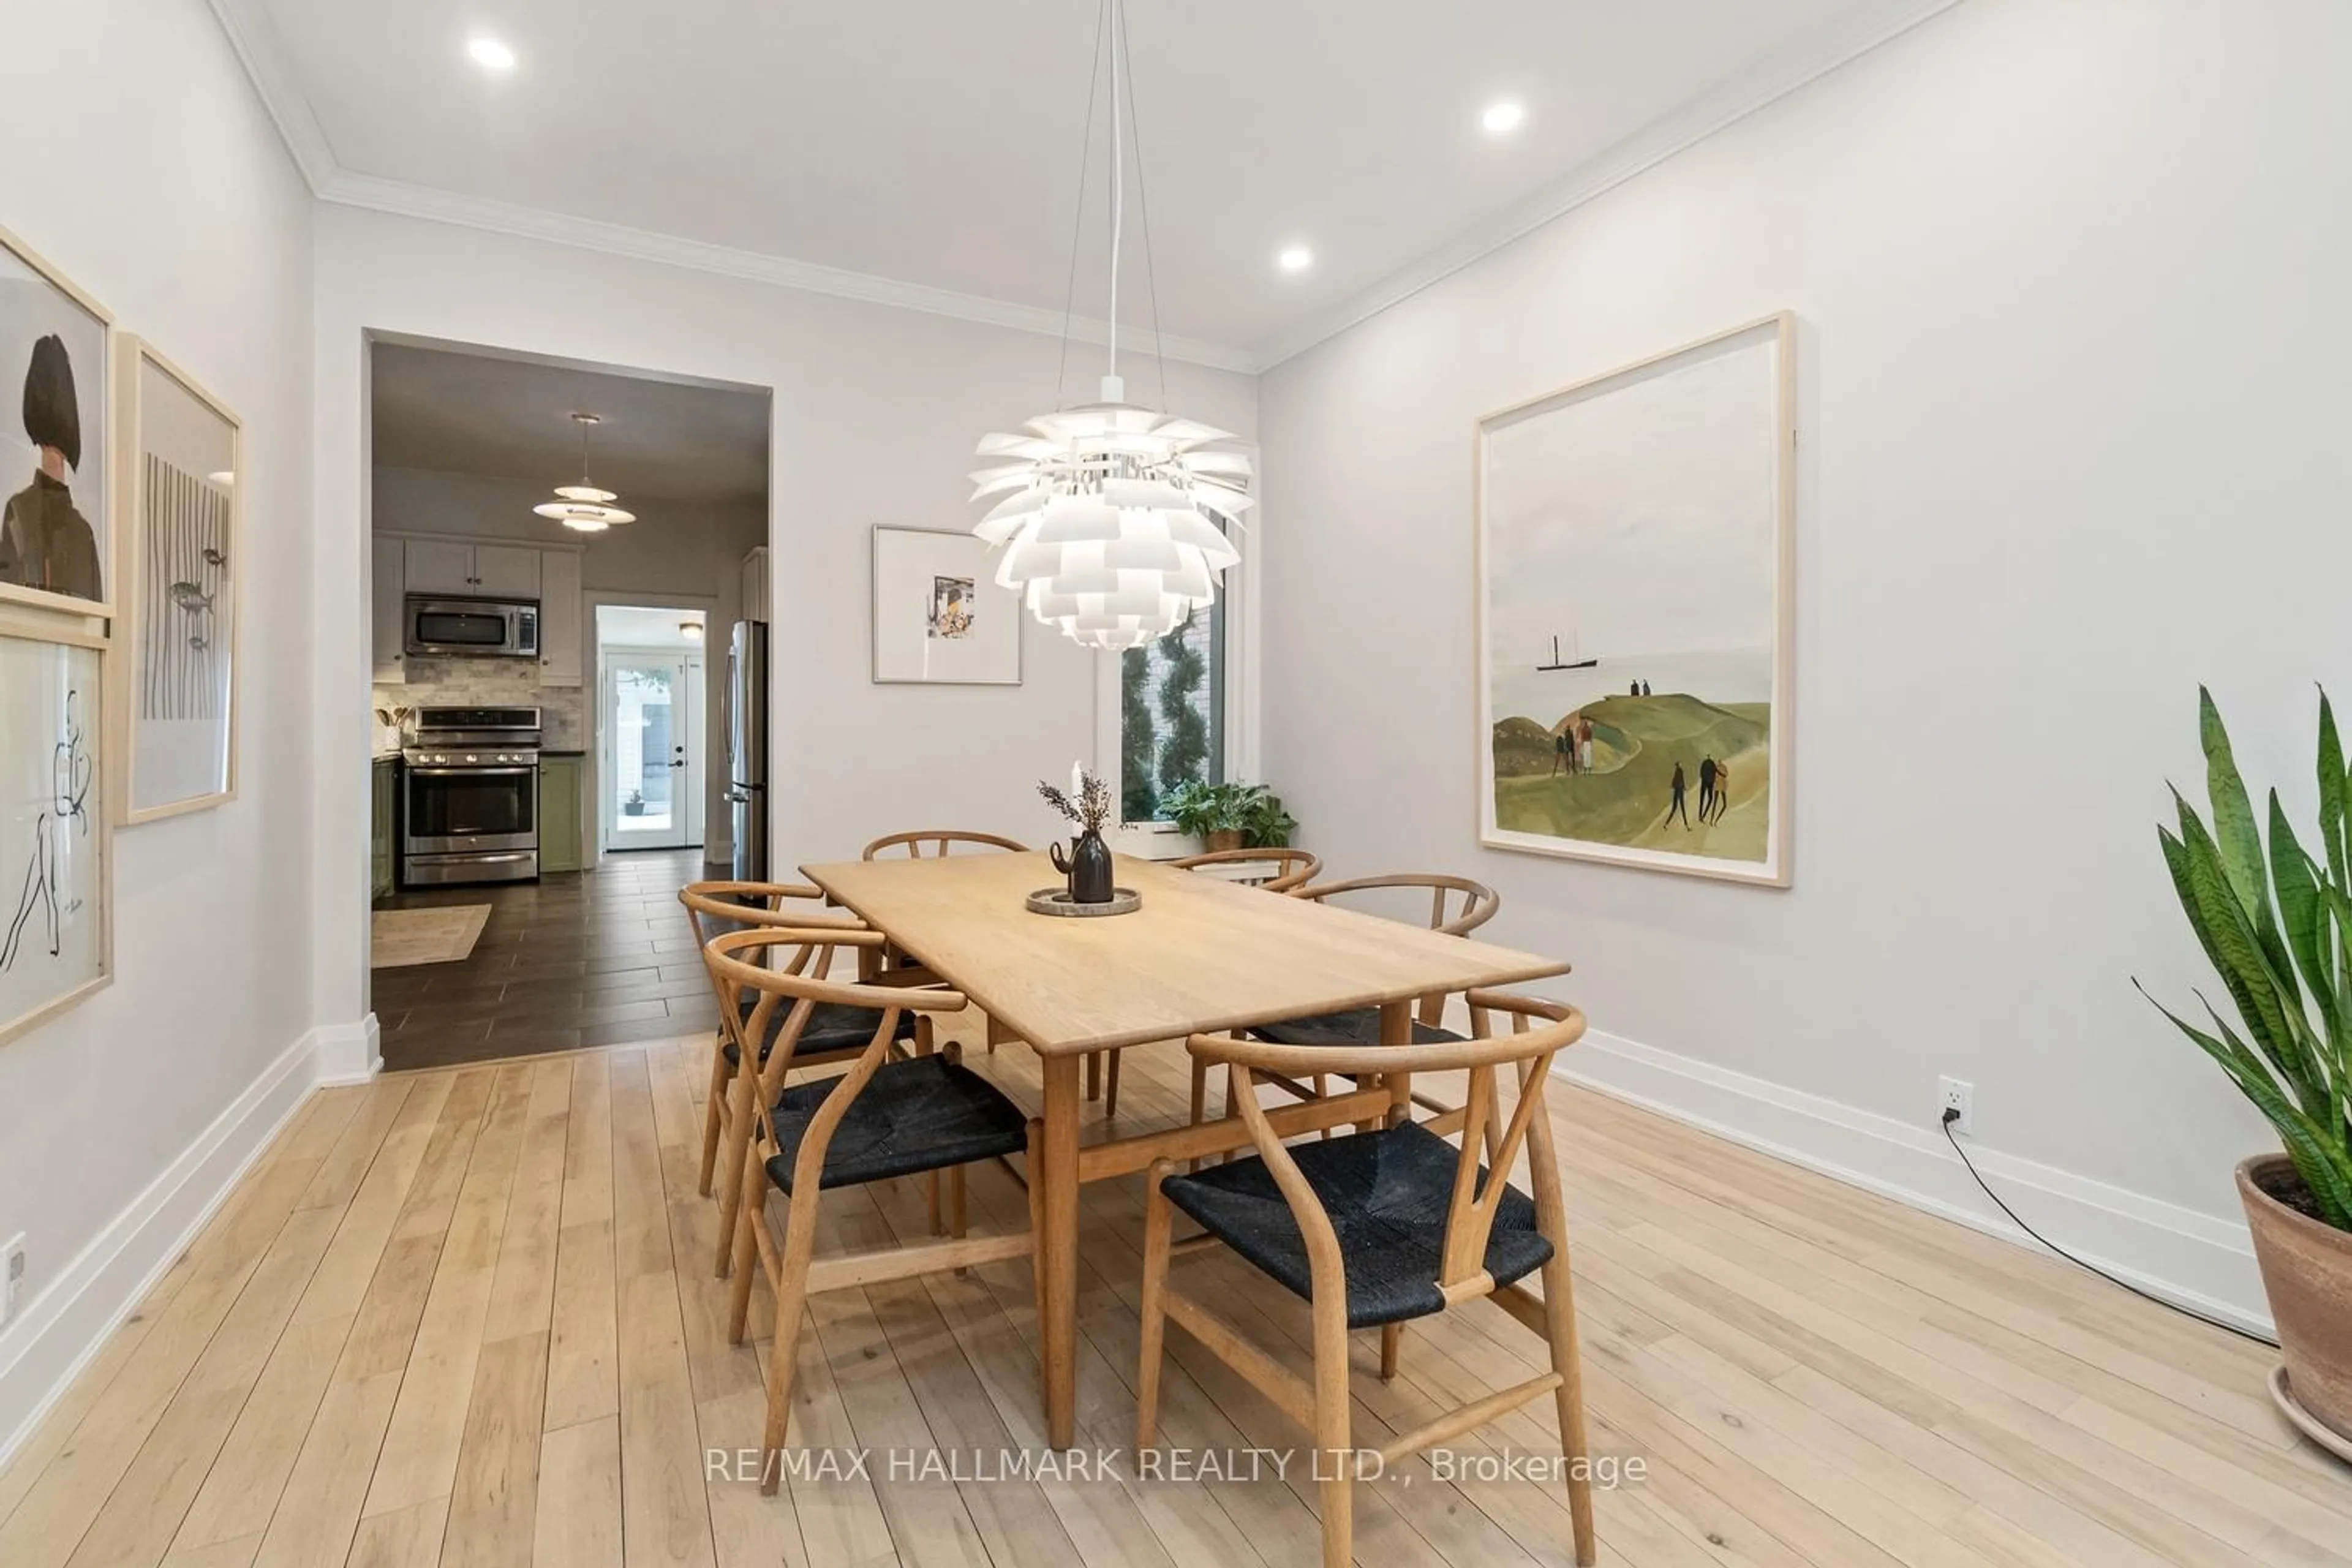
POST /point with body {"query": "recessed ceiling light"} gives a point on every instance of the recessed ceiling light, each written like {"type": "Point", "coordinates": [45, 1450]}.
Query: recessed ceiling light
{"type": "Point", "coordinates": [1295, 258]}
{"type": "Point", "coordinates": [491, 55]}
{"type": "Point", "coordinates": [1502, 118]}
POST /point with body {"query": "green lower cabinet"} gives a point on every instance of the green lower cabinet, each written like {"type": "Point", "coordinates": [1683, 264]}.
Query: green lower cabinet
{"type": "Point", "coordinates": [385, 829]}
{"type": "Point", "coordinates": [558, 814]}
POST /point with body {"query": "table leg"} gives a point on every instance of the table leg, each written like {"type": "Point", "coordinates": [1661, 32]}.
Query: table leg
{"type": "Point", "coordinates": [1396, 1029]}
{"type": "Point", "coordinates": [1057, 1309]}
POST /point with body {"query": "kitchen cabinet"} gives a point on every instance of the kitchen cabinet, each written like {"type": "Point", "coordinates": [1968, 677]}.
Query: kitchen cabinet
{"type": "Point", "coordinates": [561, 844]}
{"type": "Point", "coordinates": [472, 570]}
{"type": "Point", "coordinates": [389, 572]}
{"type": "Point", "coordinates": [560, 618]}
{"type": "Point", "coordinates": [755, 584]}
{"type": "Point", "coordinates": [384, 833]}
{"type": "Point", "coordinates": [507, 571]}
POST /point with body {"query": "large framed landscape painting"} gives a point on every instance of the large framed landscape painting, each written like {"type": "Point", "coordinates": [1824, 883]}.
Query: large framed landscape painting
{"type": "Point", "coordinates": [1635, 554]}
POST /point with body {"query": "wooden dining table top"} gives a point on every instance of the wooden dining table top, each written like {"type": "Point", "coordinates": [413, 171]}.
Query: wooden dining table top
{"type": "Point", "coordinates": [1203, 955]}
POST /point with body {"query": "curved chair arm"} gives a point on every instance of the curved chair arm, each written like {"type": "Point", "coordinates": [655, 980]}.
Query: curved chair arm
{"type": "Point", "coordinates": [719, 901]}
{"type": "Point", "coordinates": [940, 839]}
{"type": "Point", "coordinates": [1479, 901]}
{"type": "Point", "coordinates": [1300, 867]}
{"type": "Point", "coordinates": [1562, 1027]}
{"type": "Point", "coordinates": [721, 953]}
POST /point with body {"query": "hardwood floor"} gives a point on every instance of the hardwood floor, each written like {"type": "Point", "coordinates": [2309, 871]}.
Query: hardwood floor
{"type": "Point", "coordinates": [465, 1316]}
{"type": "Point", "coordinates": [589, 958]}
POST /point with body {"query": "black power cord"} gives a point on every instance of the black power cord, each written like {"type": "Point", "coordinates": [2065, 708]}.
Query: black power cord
{"type": "Point", "coordinates": [1952, 1116]}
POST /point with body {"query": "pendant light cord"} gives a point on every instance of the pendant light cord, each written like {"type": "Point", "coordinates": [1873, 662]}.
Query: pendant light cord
{"type": "Point", "coordinates": [1143, 211]}
{"type": "Point", "coordinates": [1078, 214]}
{"type": "Point", "coordinates": [1117, 180]}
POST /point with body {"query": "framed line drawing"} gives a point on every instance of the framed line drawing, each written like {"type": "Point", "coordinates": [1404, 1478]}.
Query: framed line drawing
{"type": "Point", "coordinates": [181, 456]}
{"type": "Point", "coordinates": [940, 619]}
{"type": "Point", "coordinates": [1635, 580]}
{"type": "Point", "coordinates": [56, 849]}
{"type": "Point", "coordinates": [57, 522]}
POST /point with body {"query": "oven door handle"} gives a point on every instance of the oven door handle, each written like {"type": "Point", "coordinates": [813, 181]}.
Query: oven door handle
{"type": "Point", "coordinates": [467, 772]}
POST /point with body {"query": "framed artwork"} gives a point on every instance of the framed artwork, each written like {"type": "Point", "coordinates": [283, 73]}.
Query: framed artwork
{"type": "Point", "coordinates": [938, 618]}
{"type": "Point", "coordinates": [56, 536]}
{"type": "Point", "coordinates": [174, 705]}
{"type": "Point", "coordinates": [1636, 538]}
{"type": "Point", "coordinates": [56, 937]}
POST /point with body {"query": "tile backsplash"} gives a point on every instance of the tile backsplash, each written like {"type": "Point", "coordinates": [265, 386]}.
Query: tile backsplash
{"type": "Point", "coordinates": [489, 682]}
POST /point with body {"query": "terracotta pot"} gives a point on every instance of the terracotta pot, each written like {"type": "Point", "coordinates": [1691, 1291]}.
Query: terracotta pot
{"type": "Point", "coordinates": [2307, 1275]}
{"type": "Point", "coordinates": [1224, 838]}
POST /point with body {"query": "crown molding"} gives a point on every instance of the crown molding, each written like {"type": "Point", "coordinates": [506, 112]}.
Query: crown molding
{"type": "Point", "coordinates": [258, 48]}
{"type": "Point", "coordinates": [406, 200]}
{"type": "Point", "coordinates": [1783, 72]}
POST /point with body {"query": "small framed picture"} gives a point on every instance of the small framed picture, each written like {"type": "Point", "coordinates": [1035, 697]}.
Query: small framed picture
{"type": "Point", "coordinates": [938, 618]}
{"type": "Point", "coordinates": [56, 902]}
{"type": "Point", "coordinates": [174, 705]}
{"type": "Point", "coordinates": [56, 539]}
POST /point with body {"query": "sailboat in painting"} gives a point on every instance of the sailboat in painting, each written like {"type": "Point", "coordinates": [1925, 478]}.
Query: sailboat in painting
{"type": "Point", "coordinates": [1571, 662]}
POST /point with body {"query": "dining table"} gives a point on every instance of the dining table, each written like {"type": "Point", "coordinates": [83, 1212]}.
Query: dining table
{"type": "Point", "coordinates": [1199, 956]}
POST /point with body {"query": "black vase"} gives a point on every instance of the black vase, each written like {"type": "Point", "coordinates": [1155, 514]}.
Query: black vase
{"type": "Point", "coordinates": [1087, 867]}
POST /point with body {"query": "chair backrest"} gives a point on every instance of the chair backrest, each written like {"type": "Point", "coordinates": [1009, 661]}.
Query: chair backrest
{"type": "Point", "coordinates": [791, 979]}
{"type": "Point", "coordinates": [716, 908]}
{"type": "Point", "coordinates": [1479, 902]}
{"type": "Point", "coordinates": [1297, 867]}
{"type": "Point", "coordinates": [1538, 1031]}
{"type": "Point", "coordinates": [941, 841]}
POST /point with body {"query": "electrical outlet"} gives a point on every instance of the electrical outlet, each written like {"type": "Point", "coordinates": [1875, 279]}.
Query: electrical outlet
{"type": "Point", "coordinates": [12, 1278]}
{"type": "Point", "coordinates": [1954, 1094]}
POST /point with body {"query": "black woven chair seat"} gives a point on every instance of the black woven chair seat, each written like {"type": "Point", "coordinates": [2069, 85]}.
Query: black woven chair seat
{"type": "Point", "coordinates": [925, 1113]}
{"type": "Point", "coordinates": [832, 1027]}
{"type": "Point", "coordinates": [1356, 1026]}
{"type": "Point", "coordinates": [1387, 1192]}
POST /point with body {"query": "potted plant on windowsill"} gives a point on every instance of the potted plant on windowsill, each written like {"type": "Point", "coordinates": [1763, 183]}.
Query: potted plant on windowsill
{"type": "Point", "coordinates": [2276, 923]}
{"type": "Point", "coordinates": [1230, 815]}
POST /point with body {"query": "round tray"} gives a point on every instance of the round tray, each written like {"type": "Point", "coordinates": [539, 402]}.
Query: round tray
{"type": "Point", "coordinates": [1057, 901]}
{"type": "Point", "coordinates": [2304, 1421]}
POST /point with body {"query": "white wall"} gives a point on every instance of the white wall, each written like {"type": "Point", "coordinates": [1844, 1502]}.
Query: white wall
{"type": "Point", "coordinates": [875, 414]}
{"type": "Point", "coordinates": [145, 169]}
{"type": "Point", "coordinates": [2072, 420]}
{"type": "Point", "coordinates": [674, 547]}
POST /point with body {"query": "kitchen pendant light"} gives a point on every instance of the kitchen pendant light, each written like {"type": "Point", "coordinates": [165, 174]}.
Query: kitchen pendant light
{"type": "Point", "coordinates": [583, 508]}
{"type": "Point", "coordinates": [1112, 516]}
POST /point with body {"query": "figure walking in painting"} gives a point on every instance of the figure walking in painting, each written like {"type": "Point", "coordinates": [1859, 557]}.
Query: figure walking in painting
{"type": "Point", "coordinates": [69, 797]}
{"type": "Point", "coordinates": [1707, 789]}
{"type": "Point", "coordinates": [1722, 791]}
{"type": "Point", "coordinates": [1563, 748]}
{"type": "Point", "coordinates": [1679, 804]}
{"type": "Point", "coordinates": [46, 542]}
{"type": "Point", "coordinates": [1584, 743]}
{"type": "Point", "coordinates": [1645, 689]}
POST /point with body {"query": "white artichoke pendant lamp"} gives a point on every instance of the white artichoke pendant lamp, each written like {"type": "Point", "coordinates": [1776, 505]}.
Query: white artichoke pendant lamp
{"type": "Point", "coordinates": [582, 507]}
{"type": "Point", "coordinates": [1112, 517]}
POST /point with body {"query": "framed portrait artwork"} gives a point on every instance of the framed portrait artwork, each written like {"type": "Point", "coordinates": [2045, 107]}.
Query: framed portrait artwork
{"type": "Point", "coordinates": [56, 538]}
{"type": "Point", "coordinates": [180, 456]}
{"type": "Point", "coordinates": [938, 618]}
{"type": "Point", "coordinates": [56, 935]}
{"type": "Point", "coordinates": [1635, 578]}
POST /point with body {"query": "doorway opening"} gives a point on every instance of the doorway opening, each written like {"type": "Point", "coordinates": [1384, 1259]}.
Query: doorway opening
{"type": "Point", "coordinates": [651, 728]}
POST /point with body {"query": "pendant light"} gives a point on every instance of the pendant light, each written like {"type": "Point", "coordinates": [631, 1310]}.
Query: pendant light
{"type": "Point", "coordinates": [1112, 516]}
{"type": "Point", "coordinates": [582, 507]}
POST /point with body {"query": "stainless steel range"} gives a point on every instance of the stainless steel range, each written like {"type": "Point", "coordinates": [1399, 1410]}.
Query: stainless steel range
{"type": "Point", "coordinates": [470, 796]}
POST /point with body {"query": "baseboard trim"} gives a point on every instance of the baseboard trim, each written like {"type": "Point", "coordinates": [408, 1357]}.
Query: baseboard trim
{"type": "Point", "coordinates": [65, 1326]}
{"type": "Point", "coordinates": [2199, 1261]}
{"type": "Point", "coordinates": [349, 1053]}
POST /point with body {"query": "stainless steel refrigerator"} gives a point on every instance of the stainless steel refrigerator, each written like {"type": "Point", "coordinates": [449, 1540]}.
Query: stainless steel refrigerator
{"type": "Point", "coordinates": [747, 747]}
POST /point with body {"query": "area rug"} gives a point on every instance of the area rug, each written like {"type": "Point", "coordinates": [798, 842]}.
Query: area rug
{"type": "Point", "coordinates": [443, 934]}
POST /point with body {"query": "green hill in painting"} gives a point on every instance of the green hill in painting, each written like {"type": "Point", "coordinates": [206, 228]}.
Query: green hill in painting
{"type": "Point", "coordinates": [1625, 799]}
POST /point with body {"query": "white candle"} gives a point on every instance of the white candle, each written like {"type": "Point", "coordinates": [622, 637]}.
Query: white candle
{"type": "Point", "coordinates": [1077, 782]}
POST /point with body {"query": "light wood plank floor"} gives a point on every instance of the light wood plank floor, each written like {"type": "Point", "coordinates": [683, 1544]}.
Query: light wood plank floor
{"type": "Point", "coordinates": [466, 1316]}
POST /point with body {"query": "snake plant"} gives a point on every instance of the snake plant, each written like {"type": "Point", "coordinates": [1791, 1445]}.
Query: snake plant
{"type": "Point", "coordinates": [2276, 923]}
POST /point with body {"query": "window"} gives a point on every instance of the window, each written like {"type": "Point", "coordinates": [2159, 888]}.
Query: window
{"type": "Point", "coordinates": [1172, 714]}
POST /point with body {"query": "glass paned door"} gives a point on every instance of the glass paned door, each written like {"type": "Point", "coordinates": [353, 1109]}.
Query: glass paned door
{"type": "Point", "coordinates": [653, 744]}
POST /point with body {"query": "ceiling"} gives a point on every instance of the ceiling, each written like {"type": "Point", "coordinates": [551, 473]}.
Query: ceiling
{"type": "Point", "coordinates": [466, 412]}
{"type": "Point", "coordinates": [633, 625]}
{"type": "Point", "coordinates": [934, 144]}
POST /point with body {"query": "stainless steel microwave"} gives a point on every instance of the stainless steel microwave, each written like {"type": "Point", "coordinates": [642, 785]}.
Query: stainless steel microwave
{"type": "Point", "coordinates": [471, 628]}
